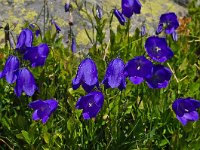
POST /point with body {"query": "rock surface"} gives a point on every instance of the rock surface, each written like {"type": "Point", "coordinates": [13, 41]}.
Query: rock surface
{"type": "Point", "coordinates": [16, 12]}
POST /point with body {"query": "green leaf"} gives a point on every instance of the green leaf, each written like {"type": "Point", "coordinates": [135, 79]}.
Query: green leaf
{"type": "Point", "coordinates": [46, 137]}
{"type": "Point", "coordinates": [26, 136]}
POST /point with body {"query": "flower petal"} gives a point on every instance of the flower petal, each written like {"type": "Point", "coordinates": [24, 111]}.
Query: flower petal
{"type": "Point", "coordinates": [160, 77]}
{"type": "Point", "coordinates": [10, 69]}
{"type": "Point", "coordinates": [36, 104]}
{"type": "Point", "coordinates": [37, 55]}
{"type": "Point", "coordinates": [182, 120]}
{"type": "Point", "coordinates": [45, 119]}
{"type": "Point", "coordinates": [157, 49]}
{"type": "Point", "coordinates": [114, 73]}
{"type": "Point", "coordinates": [119, 16]}
{"type": "Point", "coordinates": [35, 116]}
{"type": "Point", "coordinates": [25, 82]}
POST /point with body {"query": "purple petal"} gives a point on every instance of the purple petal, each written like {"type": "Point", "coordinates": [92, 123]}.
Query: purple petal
{"type": "Point", "coordinates": [53, 104]}
{"type": "Point", "coordinates": [136, 80]}
{"type": "Point", "coordinates": [159, 28]}
{"type": "Point", "coordinates": [174, 36]}
{"type": "Point", "coordinates": [91, 104]}
{"type": "Point", "coordinates": [91, 112]}
{"type": "Point", "coordinates": [185, 105]}
{"type": "Point", "coordinates": [36, 104]}
{"type": "Point", "coordinates": [67, 7]}
{"type": "Point", "coordinates": [193, 116]}
{"type": "Point", "coordinates": [73, 45]}
{"type": "Point", "coordinates": [114, 73]}
{"type": "Point", "coordinates": [24, 40]}
{"type": "Point", "coordinates": [119, 16]}
{"type": "Point", "coordinates": [35, 116]}
{"type": "Point", "coordinates": [171, 22]}
{"type": "Point", "coordinates": [58, 29]}
{"type": "Point", "coordinates": [99, 11]}
{"type": "Point", "coordinates": [37, 55]}
{"type": "Point", "coordinates": [160, 77]}
{"type": "Point", "coordinates": [87, 75]}
{"type": "Point", "coordinates": [182, 120]}
{"type": "Point", "coordinates": [10, 69]}
{"type": "Point", "coordinates": [87, 88]}
{"type": "Point", "coordinates": [25, 82]}
{"type": "Point", "coordinates": [138, 68]}
{"type": "Point", "coordinates": [157, 49]}
{"type": "Point", "coordinates": [130, 6]}
{"type": "Point", "coordinates": [143, 30]}
{"type": "Point", "coordinates": [21, 40]}
{"type": "Point", "coordinates": [29, 37]}
{"type": "Point", "coordinates": [45, 119]}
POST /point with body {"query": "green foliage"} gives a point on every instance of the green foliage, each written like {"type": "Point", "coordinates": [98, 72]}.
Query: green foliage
{"type": "Point", "coordinates": [136, 118]}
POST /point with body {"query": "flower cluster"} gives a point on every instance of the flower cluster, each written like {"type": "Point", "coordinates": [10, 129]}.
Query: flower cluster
{"type": "Point", "coordinates": [22, 76]}
{"type": "Point", "coordinates": [138, 69]}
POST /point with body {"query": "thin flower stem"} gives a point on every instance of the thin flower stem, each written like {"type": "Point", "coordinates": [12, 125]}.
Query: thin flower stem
{"type": "Point", "coordinates": [173, 73]}
{"type": "Point", "coordinates": [6, 144]}
{"type": "Point", "coordinates": [44, 16]}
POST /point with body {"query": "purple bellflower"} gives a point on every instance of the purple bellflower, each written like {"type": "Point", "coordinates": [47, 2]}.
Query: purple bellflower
{"type": "Point", "coordinates": [87, 75]}
{"type": "Point", "coordinates": [58, 29]}
{"type": "Point", "coordinates": [43, 109]}
{"type": "Point", "coordinates": [10, 69]}
{"type": "Point", "coordinates": [37, 55]}
{"type": "Point", "coordinates": [25, 82]}
{"type": "Point", "coordinates": [138, 68]}
{"type": "Point", "coordinates": [24, 40]}
{"type": "Point", "coordinates": [67, 7]}
{"type": "Point", "coordinates": [143, 30]}
{"type": "Point", "coordinates": [160, 77]}
{"type": "Point", "coordinates": [91, 104]}
{"type": "Point", "coordinates": [119, 16]}
{"type": "Point", "coordinates": [73, 45]}
{"type": "Point", "coordinates": [99, 11]}
{"type": "Point", "coordinates": [158, 49]}
{"type": "Point", "coordinates": [130, 6]}
{"type": "Point", "coordinates": [185, 109]}
{"type": "Point", "coordinates": [37, 32]}
{"type": "Point", "coordinates": [168, 23]}
{"type": "Point", "coordinates": [114, 77]}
